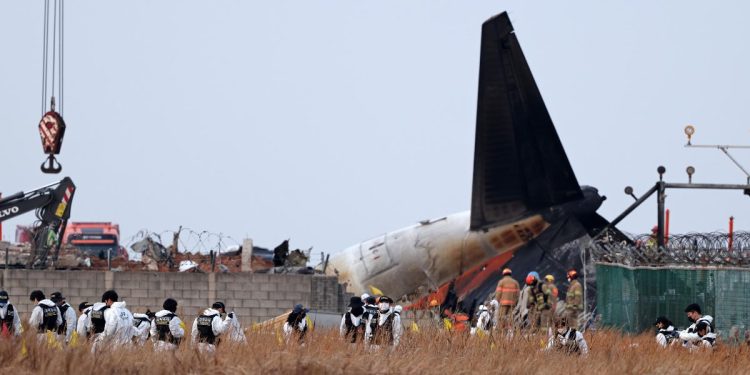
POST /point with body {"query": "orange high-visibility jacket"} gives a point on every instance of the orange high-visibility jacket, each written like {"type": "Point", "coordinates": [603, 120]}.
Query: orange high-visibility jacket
{"type": "Point", "coordinates": [507, 291]}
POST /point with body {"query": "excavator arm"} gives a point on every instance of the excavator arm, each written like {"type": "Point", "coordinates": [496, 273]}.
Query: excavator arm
{"type": "Point", "coordinates": [52, 205]}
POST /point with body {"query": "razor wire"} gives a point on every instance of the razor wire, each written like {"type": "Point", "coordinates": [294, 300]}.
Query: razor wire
{"type": "Point", "coordinates": [691, 249]}
{"type": "Point", "coordinates": [189, 240]}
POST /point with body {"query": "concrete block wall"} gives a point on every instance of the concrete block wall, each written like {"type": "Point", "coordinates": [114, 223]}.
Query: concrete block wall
{"type": "Point", "coordinates": [253, 297]}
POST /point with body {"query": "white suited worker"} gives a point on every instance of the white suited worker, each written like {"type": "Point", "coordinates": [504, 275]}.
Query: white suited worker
{"type": "Point", "coordinates": [82, 326]}
{"type": "Point", "coordinates": [484, 322]}
{"type": "Point", "coordinates": [167, 329]}
{"type": "Point", "coordinates": [690, 336]}
{"type": "Point", "coordinates": [296, 324]}
{"type": "Point", "coordinates": [45, 317]}
{"type": "Point", "coordinates": [118, 322]}
{"type": "Point", "coordinates": [142, 324]}
{"type": "Point", "coordinates": [208, 327]}
{"type": "Point", "coordinates": [69, 318]}
{"type": "Point", "coordinates": [10, 319]}
{"type": "Point", "coordinates": [385, 329]}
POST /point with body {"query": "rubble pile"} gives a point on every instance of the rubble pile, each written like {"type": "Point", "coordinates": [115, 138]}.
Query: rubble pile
{"type": "Point", "coordinates": [156, 257]}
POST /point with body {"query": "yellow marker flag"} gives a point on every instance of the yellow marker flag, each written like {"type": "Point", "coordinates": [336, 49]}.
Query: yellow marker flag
{"type": "Point", "coordinates": [279, 339]}
{"type": "Point", "coordinates": [52, 341]}
{"type": "Point", "coordinates": [73, 340]}
{"type": "Point", "coordinates": [309, 323]}
{"type": "Point", "coordinates": [375, 291]}
{"type": "Point", "coordinates": [492, 346]}
{"type": "Point", "coordinates": [480, 333]}
{"type": "Point", "coordinates": [182, 325]}
{"type": "Point", "coordinates": [447, 324]}
{"type": "Point", "coordinates": [414, 327]}
{"type": "Point", "coordinates": [24, 351]}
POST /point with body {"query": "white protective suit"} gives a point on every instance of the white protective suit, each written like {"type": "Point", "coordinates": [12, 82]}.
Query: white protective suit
{"type": "Point", "coordinates": [689, 337]}
{"type": "Point", "coordinates": [382, 319]}
{"type": "Point", "coordinates": [118, 326]}
{"type": "Point", "coordinates": [235, 332]}
{"type": "Point", "coordinates": [71, 321]}
{"type": "Point", "coordinates": [98, 306]}
{"type": "Point", "coordinates": [289, 329]}
{"type": "Point", "coordinates": [142, 325]}
{"type": "Point", "coordinates": [353, 319]}
{"type": "Point", "coordinates": [484, 321]}
{"type": "Point", "coordinates": [218, 326]}
{"type": "Point", "coordinates": [664, 336]}
{"type": "Point", "coordinates": [564, 341]}
{"type": "Point", "coordinates": [82, 327]}
{"type": "Point", "coordinates": [175, 329]}
{"type": "Point", "coordinates": [16, 325]}
{"type": "Point", "coordinates": [37, 315]}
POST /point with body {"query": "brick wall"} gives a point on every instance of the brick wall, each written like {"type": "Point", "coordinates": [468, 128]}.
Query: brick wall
{"type": "Point", "coordinates": [253, 297]}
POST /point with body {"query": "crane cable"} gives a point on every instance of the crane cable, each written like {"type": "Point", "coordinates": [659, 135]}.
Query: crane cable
{"type": "Point", "coordinates": [53, 47]}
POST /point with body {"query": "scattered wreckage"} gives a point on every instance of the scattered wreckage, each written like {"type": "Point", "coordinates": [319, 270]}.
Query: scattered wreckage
{"type": "Point", "coordinates": [156, 257]}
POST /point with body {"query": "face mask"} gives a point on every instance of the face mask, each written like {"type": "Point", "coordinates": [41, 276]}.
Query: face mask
{"type": "Point", "coordinates": [561, 330]}
{"type": "Point", "coordinates": [384, 306]}
{"type": "Point", "coordinates": [691, 320]}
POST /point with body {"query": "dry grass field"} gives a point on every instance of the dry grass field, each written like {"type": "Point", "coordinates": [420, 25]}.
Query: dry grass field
{"type": "Point", "coordinates": [425, 352]}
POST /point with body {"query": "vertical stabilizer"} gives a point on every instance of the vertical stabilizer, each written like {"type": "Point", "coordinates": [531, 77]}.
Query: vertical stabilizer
{"type": "Point", "coordinates": [519, 162]}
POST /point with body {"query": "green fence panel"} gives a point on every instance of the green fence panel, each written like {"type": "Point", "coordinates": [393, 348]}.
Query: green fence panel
{"type": "Point", "coordinates": [630, 298]}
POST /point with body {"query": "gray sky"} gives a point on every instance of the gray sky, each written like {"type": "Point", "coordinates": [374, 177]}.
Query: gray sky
{"type": "Point", "coordinates": [332, 122]}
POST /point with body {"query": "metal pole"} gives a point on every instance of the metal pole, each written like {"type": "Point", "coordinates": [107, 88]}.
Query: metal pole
{"type": "Point", "coordinates": [660, 214]}
{"type": "Point", "coordinates": [109, 259]}
{"type": "Point", "coordinates": [627, 212]}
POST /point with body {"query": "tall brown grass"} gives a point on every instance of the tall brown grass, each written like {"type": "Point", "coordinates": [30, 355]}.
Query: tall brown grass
{"type": "Point", "coordinates": [430, 351]}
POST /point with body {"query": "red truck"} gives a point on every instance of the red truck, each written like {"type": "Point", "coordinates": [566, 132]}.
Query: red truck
{"type": "Point", "coordinates": [95, 238]}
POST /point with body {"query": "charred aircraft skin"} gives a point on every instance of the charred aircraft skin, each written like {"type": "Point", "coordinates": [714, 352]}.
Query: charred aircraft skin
{"type": "Point", "coordinates": [527, 209]}
{"type": "Point", "coordinates": [428, 254]}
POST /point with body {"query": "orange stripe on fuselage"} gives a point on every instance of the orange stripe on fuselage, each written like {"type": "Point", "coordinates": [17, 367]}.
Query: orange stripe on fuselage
{"type": "Point", "coordinates": [466, 282]}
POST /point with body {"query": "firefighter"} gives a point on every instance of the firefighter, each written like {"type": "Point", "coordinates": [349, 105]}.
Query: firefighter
{"type": "Point", "coordinates": [534, 300]}
{"type": "Point", "coordinates": [118, 322]}
{"type": "Point", "coordinates": [547, 302]}
{"type": "Point", "coordinates": [352, 327]}
{"type": "Point", "coordinates": [10, 319]}
{"type": "Point", "coordinates": [208, 328]}
{"type": "Point", "coordinates": [665, 332]}
{"type": "Point", "coordinates": [573, 298]}
{"type": "Point", "coordinates": [506, 294]}
{"type": "Point", "coordinates": [386, 330]}
{"type": "Point", "coordinates": [296, 324]}
{"type": "Point", "coordinates": [167, 329]}
{"type": "Point", "coordinates": [142, 324]}
{"type": "Point", "coordinates": [45, 316]}
{"type": "Point", "coordinates": [567, 339]}
{"type": "Point", "coordinates": [69, 318]}
{"type": "Point", "coordinates": [82, 326]}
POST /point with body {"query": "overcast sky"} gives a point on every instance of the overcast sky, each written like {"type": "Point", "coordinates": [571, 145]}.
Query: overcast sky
{"type": "Point", "coordinates": [331, 122]}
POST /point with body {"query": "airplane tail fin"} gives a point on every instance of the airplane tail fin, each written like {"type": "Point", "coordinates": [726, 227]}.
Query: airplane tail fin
{"type": "Point", "coordinates": [519, 162]}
